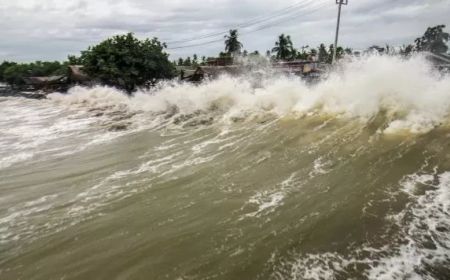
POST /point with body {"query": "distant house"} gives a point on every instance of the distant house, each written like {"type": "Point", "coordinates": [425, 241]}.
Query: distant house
{"type": "Point", "coordinates": [76, 75]}
{"type": "Point", "coordinates": [46, 83]}
{"type": "Point", "coordinates": [376, 49]}
{"type": "Point", "coordinates": [304, 68]}
{"type": "Point", "coordinates": [357, 53]}
{"type": "Point", "coordinates": [299, 67]}
{"type": "Point", "coordinates": [216, 71]}
{"type": "Point", "coordinates": [190, 74]}
{"type": "Point", "coordinates": [220, 61]}
{"type": "Point", "coordinates": [184, 72]}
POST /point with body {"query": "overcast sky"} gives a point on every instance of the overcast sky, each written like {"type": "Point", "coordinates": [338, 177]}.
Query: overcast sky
{"type": "Point", "coordinates": [52, 29]}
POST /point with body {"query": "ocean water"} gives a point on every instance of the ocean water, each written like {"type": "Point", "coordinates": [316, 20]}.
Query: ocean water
{"type": "Point", "coordinates": [235, 178]}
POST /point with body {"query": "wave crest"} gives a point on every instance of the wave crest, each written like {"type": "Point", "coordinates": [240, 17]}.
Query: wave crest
{"type": "Point", "coordinates": [413, 96]}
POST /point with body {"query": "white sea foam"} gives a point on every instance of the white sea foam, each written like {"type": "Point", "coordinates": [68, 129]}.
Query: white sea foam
{"type": "Point", "coordinates": [30, 126]}
{"type": "Point", "coordinates": [320, 167]}
{"type": "Point", "coordinates": [12, 159]}
{"type": "Point", "coordinates": [424, 241]}
{"type": "Point", "coordinates": [266, 202]}
{"type": "Point", "coordinates": [428, 222]}
{"type": "Point", "coordinates": [415, 98]}
{"type": "Point", "coordinates": [269, 200]}
{"type": "Point", "coordinates": [17, 224]}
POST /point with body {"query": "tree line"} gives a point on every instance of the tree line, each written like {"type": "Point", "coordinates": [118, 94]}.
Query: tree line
{"type": "Point", "coordinates": [127, 62]}
{"type": "Point", "coordinates": [13, 73]}
{"type": "Point", "coordinates": [122, 61]}
{"type": "Point", "coordinates": [283, 50]}
{"type": "Point", "coordinates": [434, 40]}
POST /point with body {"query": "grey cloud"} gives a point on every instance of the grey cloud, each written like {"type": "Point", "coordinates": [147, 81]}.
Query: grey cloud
{"type": "Point", "coordinates": [50, 29]}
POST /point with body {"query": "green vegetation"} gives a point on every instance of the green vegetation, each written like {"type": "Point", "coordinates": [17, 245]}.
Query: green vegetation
{"type": "Point", "coordinates": [323, 54]}
{"type": "Point", "coordinates": [122, 61]}
{"type": "Point", "coordinates": [284, 48]}
{"type": "Point", "coordinates": [303, 54]}
{"type": "Point", "coordinates": [5, 65]}
{"type": "Point", "coordinates": [126, 62]}
{"type": "Point", "coordinates": [232, 44]}
{"type": "Point", "coordinates": [190, 62]}
{"type": "Point", "coordinates": [434, 40]}
{"type": "Point", "coordinates": [14, 73]}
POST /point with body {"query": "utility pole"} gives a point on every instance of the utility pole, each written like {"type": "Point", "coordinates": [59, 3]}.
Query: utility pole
{"type": "Point", "coordinates": [340, 3]}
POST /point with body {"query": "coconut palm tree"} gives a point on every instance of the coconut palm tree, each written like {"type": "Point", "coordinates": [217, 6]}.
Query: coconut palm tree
{"type": "Point", "coordinates": [303, 54]}
{"type": "Point", "coordinates": [284, 48]}
{"type": "Point", "coordinates": [232, 44]}
{"type": "Point", "coordinates": [323, 54]}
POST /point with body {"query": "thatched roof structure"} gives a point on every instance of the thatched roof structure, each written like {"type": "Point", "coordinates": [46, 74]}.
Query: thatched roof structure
{"type": "Point", "coordinates": [44, 81]}
{"type": "Point", "coordinates": [220, 61]}
{"type": "Point", "coordinates": [185, 71]}
{"type": "Point", "coordinates": [215, 71]}
{"type": "Point", "coordinates": [297, 67]}
{"type": "Point", "coordinates": [77, 75]}
{"type": "Point", "coordinates": [201, 72]}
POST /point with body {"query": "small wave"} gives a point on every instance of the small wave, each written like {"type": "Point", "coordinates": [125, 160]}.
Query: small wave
{"type": "Point", "coordinates": [268, 201]}
{"type": "Point", "coordinates": [13, 159]}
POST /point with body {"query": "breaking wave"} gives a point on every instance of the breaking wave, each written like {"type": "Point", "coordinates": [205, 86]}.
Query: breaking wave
{"type": "Point", "coordinates": [408, 93]}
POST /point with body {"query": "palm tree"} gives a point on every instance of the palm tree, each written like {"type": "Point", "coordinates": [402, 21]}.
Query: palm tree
{"type": "Point", "coordinates": [284, 48]}
{"type": "Point", "coordinates": [323, 54]}
{"type": "Point", "coordinates": [232, 44]}
{"type": "Point", "coordinates": [303, 54]}
{"type": "Point", "coordinates": [195, 60]}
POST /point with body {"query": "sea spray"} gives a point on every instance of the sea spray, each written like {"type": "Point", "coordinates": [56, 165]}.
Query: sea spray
{"type": "Point", "coordinates": [414, 96]}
